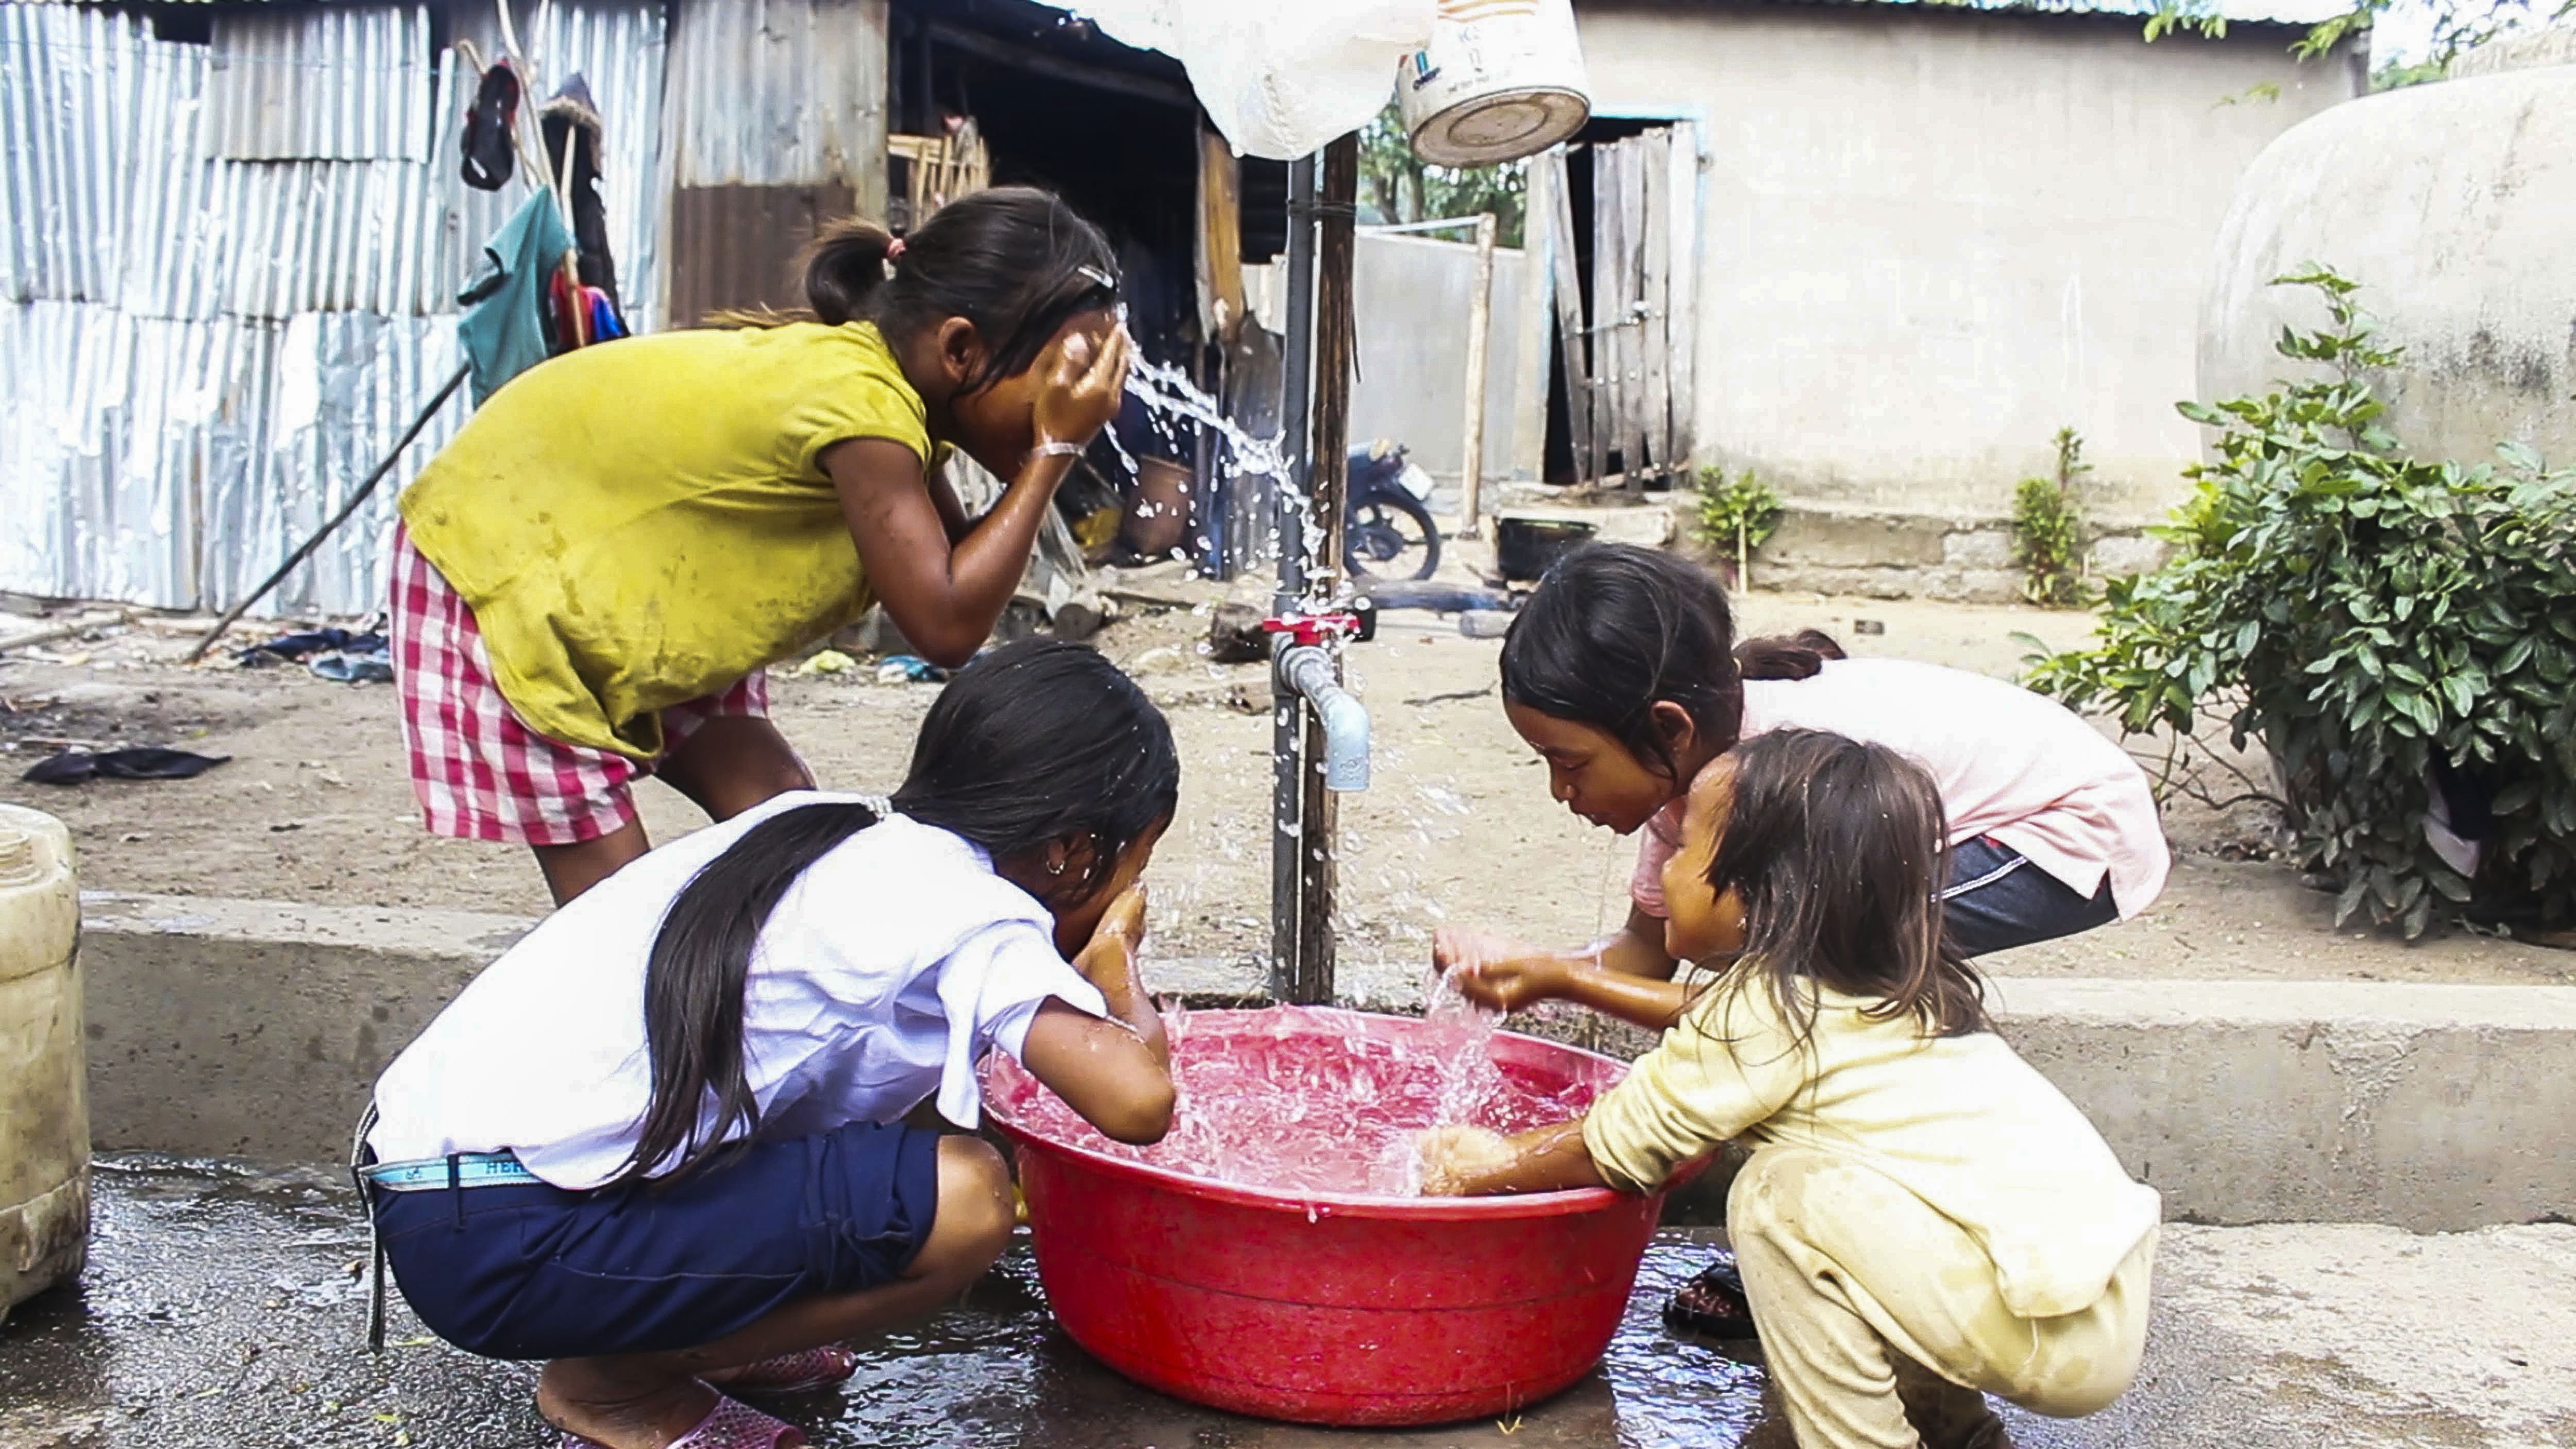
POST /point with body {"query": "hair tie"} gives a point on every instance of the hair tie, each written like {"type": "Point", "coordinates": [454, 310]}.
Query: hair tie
{"type": "Point", "coordinates": [894, 250]}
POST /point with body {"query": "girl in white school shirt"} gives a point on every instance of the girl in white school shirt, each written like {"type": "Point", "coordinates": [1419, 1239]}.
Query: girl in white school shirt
{"type": "Point", "coordinates": [661, 1143]}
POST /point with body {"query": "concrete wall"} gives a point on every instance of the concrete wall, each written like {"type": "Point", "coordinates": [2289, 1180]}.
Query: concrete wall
{"type": "Point", "coordinates": [2453, 205]}
{"type": "Point", "coordinates": [1932, 239]}
{"type": "Point", "coordinates": [1413, 295]}
{"type": "Point", "coordinates": [1411, 300]}
{"type": "Point", "coordinates": [256, 1029]}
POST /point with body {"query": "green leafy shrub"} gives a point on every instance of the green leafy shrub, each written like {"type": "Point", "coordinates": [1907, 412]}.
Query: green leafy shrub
{"type": "Point", "coordinates": [1742, 511]}
{"type": "Point", "coordinates": [2366, 616]}
{"type": "Point", "coordinates": [2048, 529]}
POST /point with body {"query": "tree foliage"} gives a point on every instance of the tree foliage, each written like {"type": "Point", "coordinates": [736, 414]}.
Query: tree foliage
{"type": "Point", "coordinates": [2377, 622]}
{"type": "Point", "coordinates": [2458, 25]}
{"type": "Point", "coordinates": [1404, 187]}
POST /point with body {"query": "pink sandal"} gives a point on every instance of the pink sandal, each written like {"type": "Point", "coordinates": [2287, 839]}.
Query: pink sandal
{"type": "Point", "coordinates": [731, 1424]}
{"type": "Point", "coordinates": [794, 1373]}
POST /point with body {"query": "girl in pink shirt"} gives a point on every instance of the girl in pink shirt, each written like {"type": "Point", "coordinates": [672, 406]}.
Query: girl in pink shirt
{"type": "Point", "coordinates": [1624, 675]}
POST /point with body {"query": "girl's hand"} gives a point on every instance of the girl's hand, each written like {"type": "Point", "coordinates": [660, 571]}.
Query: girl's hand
{"type": "Point", "coordinates": [1494, 972]}
{"type": "Point", "coordinates": [1124, 921]}
{"type": "Point", "coordinates": [1470, 1161]}
{"type": "Point", "coordinates": [1110, 958]}
{"type": "Point", "coordinates": [1455, 1158]}
{"type": "Point", "coordinates": [1109, 962]}
{"type": "Point", "coordinates": [1081, 387]}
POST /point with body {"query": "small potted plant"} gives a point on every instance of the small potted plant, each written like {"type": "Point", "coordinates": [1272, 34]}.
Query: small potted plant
{"type": "Point", "coordinates": [1737, 514]}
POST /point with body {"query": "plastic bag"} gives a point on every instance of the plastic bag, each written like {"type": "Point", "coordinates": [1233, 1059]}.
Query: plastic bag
{"type": "Point", "coordinates": [1278, 80]}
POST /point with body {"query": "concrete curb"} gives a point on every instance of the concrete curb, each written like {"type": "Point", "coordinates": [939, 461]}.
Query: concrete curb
{"type": "Point", "coordinates": [254, 1029]}
{"type": "Point", "coordinates": [224, 1028]}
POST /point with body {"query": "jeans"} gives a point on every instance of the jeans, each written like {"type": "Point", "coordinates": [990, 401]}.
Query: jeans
{"type": "Point", "coordinates": [1997, 900]}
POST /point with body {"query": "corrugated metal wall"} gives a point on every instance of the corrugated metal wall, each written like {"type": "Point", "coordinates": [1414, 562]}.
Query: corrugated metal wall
{"type": "Point", "coordinates": [780, 93]}
{"type": "Point", "coordinates": [777, 125]}
{"type": "Point", "coordinates": [328, 83]}
{"type": "Point", "coordinates": [227, 280]}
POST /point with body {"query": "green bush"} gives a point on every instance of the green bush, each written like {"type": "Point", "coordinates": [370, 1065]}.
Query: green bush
{"type": "Point", "coordinates": [1741, 512]}
{"type": "Point", "coordinates": [2365, 615]}
{"type": "Point", "coordinates": [2048, 529]}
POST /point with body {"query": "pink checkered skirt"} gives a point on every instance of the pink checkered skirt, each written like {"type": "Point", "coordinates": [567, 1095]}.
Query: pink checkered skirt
{"type": "Point", "coordinates": [480, 771]}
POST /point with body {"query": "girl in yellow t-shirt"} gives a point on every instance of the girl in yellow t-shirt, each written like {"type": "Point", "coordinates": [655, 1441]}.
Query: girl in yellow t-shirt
{"type": "Point", "coordinates": [590, 579]}
{"type": "Point", "coordinates": [1924, 1219]}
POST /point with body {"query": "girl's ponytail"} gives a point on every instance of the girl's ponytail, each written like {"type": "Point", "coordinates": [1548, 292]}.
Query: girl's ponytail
{"type": "Point", "coordinates": [694, 981]}
{"type": "Point", "coordinates": [1788, 656]}
{"type": "Point", "coordinates": [845, 264]}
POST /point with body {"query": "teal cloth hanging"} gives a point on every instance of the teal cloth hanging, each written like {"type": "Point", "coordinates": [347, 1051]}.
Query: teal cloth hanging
{"type": "Point", "coordinates": [504, 329]}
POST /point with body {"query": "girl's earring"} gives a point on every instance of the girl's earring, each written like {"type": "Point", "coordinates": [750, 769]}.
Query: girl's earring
{"type": "Point", "coordinates": [1055, 868]}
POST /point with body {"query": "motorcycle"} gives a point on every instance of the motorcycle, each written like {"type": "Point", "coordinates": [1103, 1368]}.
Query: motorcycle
{"type": "Point", "coordinates": [1387, 532]}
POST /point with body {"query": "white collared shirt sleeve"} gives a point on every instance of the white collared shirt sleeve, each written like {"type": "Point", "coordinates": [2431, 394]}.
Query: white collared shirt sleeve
{"type": "Point", "coordinates": [991, 987]}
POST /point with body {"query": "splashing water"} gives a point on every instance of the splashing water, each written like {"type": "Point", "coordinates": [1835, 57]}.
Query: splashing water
{"type": "Point", "coordinates": [1461, 1035]}
{"type": "Point", "coordinates": [1318, 1100]}
{"type": "Point", "coordinates": [1168, 393]}
{"type": "Point", "coordinates": [1169, 397]}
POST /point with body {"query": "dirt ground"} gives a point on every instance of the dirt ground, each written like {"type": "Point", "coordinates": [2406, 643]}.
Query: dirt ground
{"type": "Point", "coordinates": [316, 804]}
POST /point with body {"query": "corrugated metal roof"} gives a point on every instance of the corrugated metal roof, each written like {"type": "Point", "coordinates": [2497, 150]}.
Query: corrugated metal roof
{"type": "Point", "coordinates": [200, 354]}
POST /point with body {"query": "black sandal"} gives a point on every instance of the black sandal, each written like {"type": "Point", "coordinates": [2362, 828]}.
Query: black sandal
{"type": "Point", "coordinates": [490, 148]}
{"type": "Point", "coordinates": [1712, 1305]}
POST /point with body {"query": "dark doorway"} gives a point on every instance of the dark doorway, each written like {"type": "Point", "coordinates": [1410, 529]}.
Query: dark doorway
{"type": "Point", "coordinates": [1639, 427]}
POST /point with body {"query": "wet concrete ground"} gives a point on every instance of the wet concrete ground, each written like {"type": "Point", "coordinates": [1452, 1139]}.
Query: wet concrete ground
{"type": "Point", "coordinates": [222, 1308]}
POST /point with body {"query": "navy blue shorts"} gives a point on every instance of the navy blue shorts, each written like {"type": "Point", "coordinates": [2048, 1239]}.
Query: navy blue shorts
{"type": "Point", "coordinates": [1997, 900]}
{"type": "Point", "coordinates": [527, 1271]}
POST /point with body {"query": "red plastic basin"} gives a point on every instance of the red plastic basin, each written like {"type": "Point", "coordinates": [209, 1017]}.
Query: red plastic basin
{"type": "Point", "coordinates": [1322, 1308]}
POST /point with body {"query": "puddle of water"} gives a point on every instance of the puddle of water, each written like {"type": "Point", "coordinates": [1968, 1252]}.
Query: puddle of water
{"type": "Point", "coordinates": [995, 1371]}
{"type": "Point", "coordinates": [214, 1316]}
{"type": "Point", "coordinates": [1676, 1393]}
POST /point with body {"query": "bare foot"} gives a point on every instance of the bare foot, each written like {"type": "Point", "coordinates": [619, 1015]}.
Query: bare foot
{"type": "Point", "coordinates": [607, 1402]}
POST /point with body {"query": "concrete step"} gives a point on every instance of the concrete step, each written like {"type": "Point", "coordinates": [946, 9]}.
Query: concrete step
{"type": "Point", "coordinates": [255, 1029]}
{"type": "Point", "coordinates": [1857, 549]}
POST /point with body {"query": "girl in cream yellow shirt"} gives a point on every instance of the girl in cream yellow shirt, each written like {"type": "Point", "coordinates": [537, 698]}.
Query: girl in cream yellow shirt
{"type": "Point", "coordinates": [1924, 1219]}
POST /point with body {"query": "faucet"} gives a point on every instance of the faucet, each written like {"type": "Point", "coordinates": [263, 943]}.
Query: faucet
{"type": "Point", "coordinates": [1307, 669]}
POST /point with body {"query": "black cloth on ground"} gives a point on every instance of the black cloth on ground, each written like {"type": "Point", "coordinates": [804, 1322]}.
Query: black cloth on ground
{"type": "Point", "coordinates": [147, 762]}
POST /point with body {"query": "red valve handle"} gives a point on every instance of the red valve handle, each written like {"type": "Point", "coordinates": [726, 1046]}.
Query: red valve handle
{"type": "Point", "coordinates": [1312, 629]}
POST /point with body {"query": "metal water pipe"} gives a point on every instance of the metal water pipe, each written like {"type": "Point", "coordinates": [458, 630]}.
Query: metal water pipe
{"type": "Point", "coordinates": [1319, 738]}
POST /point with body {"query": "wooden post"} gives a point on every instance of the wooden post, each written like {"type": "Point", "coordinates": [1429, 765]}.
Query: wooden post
{"type": "Point", "coordinates": [1480, 321]}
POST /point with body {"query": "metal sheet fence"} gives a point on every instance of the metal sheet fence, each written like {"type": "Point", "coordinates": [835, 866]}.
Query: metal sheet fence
{"type": "Point", "coordinates": [201, 354]}
{"type": "Point", "coordinates": [326, 83]}
{"type": "Point", "coordinates": [781, 93]}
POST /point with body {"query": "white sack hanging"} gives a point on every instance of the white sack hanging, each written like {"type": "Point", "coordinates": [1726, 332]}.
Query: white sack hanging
{"type": "Point", "coordinates": [1279, 80]}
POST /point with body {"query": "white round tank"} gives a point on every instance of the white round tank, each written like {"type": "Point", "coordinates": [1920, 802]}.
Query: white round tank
{"type": "Point", "coordinates": [1501, 79]}
{"type": "Point", "coordinates": [2453, 205]}
{"type": "Point", "coordinates": [44, 1096]}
